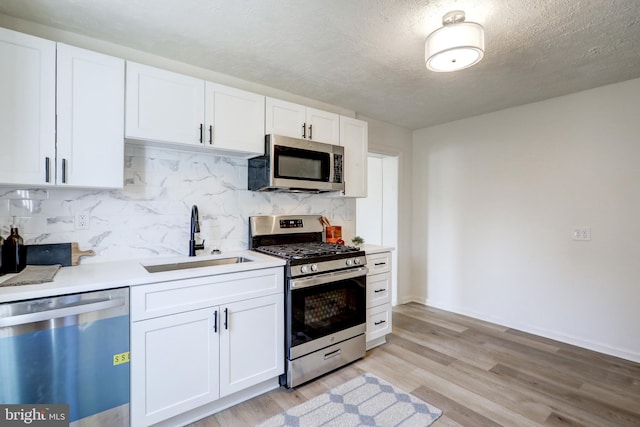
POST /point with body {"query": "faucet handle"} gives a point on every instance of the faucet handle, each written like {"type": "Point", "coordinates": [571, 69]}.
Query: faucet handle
{"type": "Point", "coordinates": [199, 246]}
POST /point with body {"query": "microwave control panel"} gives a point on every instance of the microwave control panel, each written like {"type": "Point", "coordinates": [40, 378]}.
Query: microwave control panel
{"type": "Point", "coordinates": [337, 167]}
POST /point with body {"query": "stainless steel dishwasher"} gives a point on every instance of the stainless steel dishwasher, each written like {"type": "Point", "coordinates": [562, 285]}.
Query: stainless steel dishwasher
{"type": "Point", "coordinates": [71, 349]}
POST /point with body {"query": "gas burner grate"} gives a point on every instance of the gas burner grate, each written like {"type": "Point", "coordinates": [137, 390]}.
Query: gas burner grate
{"type": "Point", "coordinates": [306, 250]}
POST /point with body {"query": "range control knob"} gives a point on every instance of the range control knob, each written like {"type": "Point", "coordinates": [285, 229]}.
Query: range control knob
{"type": "Point", "coordinates": [314, 267]}
{"type": "Point", "coordinates": [356, 261]}
{"type": "Point", "coordinates": [303, 269]}
{"type": "Point", "coordinates": [349, 262]}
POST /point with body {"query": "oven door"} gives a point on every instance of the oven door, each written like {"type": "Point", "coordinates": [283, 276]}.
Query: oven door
{"type": "Point", "coordinates": [325, 309]}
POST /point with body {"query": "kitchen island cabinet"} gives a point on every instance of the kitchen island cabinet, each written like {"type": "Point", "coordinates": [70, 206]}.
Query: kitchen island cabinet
{"type": "Point", "coordinates": [197, 341]}
{"type": "Point", "coordinates": [168, 107]}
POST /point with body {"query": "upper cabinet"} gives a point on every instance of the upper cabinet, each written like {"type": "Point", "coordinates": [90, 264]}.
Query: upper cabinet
{"type": "Point", "coordinates": [27, 109]}
{"type": "Point", "coordinates": [354, 137]}
{"type": "Point", "coordinates": [173, 108]}
{"type": "Point", "coordinates": [234, 119]}
{"type": "Point", "coordinates": [90, 131]}
{"type": "Point", "coordinates": [88, 148]}
{"type": "Point", "coordinates": [297, 121]}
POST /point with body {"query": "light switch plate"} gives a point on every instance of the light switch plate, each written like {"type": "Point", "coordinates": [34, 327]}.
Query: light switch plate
{"type": "Point", "coordinates": [582, 233]}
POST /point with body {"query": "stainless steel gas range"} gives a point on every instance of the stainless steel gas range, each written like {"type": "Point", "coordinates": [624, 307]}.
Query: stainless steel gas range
{"type": "Point", "coordinates": [325, 291]}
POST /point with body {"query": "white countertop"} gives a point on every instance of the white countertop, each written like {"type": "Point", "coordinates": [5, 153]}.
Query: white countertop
{"type": "Point", "coordinates": [376, 249]}
{"type": "Point", "coordinates": [115, 274]}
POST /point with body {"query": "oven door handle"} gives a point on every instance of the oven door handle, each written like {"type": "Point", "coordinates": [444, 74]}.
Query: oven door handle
{"type": "Point", "coordinates": [322, 279]}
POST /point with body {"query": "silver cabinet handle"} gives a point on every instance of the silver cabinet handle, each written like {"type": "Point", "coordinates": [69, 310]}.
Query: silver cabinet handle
{"type": "Point", "coordinates": [70, 310]}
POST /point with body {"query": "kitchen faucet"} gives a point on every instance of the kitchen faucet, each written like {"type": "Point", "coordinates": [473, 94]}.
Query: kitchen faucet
{"type": "Point", "coordinates": [195, 228]}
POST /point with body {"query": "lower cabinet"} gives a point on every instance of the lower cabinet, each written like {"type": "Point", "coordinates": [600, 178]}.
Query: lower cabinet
{"type": "Point", "coordinates": [379, 308]}
{"type": "Point", "coordinates": [184, 360]}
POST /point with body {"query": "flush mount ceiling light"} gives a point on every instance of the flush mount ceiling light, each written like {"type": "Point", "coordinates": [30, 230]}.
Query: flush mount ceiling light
{"type": "Point", "coordinates": [454, 46]}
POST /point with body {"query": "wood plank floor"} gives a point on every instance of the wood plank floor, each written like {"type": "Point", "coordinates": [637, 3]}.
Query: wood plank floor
{"type": "Point", "coordinates": [479, 374]}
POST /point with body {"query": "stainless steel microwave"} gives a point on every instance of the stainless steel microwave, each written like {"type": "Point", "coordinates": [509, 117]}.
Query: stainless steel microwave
{"type": "Point", "coordinates": [297, 165]}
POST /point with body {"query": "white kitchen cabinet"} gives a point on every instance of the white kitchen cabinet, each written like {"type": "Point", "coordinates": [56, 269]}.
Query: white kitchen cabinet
{"type": "Point", "coordinates": [27, 109]}
{"type": "Point", "coordinates": [354, 137]}
{"type": "Point", "coordinates": [168, 107]}
{"type": "Point", "coordinates": [297, 121]}
{"type": "Point", "coordinates": [163, 106]}
{"type": "Point", "coordinates": [234, 120]}
{"type": "Point", "coordinates": [175, 360]}
{"type": "Point", "coordinates": [198, 340]}
{"type": "Point", "coordinates": [251, 345]}
{"type": "Point", "coordinates": [83, 96]}
{"type": "Point", "coordinates": [90, 119]}
{"type": "Point", "coordinates": [379, 309]}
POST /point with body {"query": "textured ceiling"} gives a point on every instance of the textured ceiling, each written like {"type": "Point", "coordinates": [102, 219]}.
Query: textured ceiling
{"type": "Point", "coordinates": [368, 55]}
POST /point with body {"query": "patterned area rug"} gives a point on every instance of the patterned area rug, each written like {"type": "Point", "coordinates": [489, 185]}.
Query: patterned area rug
{"type": "Point", "coordinates": [363, 401]}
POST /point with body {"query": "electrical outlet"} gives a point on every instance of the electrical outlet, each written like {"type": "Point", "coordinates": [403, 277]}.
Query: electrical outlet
{"type": "Point", "coordinates": [582, 233]}
{"type": "Point", "coordinates": [82, 221]}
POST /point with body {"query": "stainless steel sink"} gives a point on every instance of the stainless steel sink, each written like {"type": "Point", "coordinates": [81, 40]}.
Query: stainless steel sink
{"type": "Point", "coordinates": [159, 268]}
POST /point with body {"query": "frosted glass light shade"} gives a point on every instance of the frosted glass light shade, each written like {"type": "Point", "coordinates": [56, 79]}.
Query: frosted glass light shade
{"type": "Point", "coordinates": [454, 47]}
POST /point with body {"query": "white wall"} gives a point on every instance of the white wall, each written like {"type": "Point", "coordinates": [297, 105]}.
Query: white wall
{"type": "Point", "coordinates": [497, 197]}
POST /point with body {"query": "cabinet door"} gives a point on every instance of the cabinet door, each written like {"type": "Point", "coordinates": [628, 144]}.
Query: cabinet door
{"type": "Point", "coordinates": [378, 289]}
{"type": "Point", "coordinates": [234, 119]}
{"type": "Point", "coordinates": [27, 109]}
{"type": "Point", "coordinates": [323, 126]}
{"type": "Point", "coordinates": [354, 137]}
{"type": "Point", "coordinates": [284, 118]}
{"type": "Point", "coordinates": [164, 106]}
{"type": "Point", "coordinates": [252, 343]}
{"type": "Point", "coordinates": [90, 119]}
{"type": "Point", "coordinates": [174, 365]}
{"type": "Point", "coordinates": [378, 321]}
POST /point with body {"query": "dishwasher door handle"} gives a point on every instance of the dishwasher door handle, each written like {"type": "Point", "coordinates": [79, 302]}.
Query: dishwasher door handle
{"type": "Point", "coordinates": [57, 313]}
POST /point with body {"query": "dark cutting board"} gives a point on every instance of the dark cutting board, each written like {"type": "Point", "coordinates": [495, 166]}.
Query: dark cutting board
{"type": "Point", "coordinates": [65, 254]}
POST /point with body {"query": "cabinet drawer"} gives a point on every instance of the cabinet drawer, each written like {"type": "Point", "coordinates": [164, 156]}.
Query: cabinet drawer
{"type": "Point", "coordinates": [379, 263]}
{"type": "Point", "coordinates": [378, 289]}
{"type": "Point", "coordinates": [161, 299]}
{"type": "Point", "coordinates": [378, 321]}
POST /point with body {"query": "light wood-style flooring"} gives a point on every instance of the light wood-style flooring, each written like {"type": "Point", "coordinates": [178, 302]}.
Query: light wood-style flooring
{"type": "Point", "coordinates": [479, 374]}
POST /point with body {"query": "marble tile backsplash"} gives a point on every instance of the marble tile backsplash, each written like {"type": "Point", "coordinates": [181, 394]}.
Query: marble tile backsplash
{"type": "Point", "coordinates": [150, 216]}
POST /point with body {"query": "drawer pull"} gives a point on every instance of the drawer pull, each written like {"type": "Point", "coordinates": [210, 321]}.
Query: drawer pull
{"type": "Point", "coordinates": [380, 322]}
{"type": "Point", "coordinates": [379, 290]}
{"type": "Point", "coordinates": [379, 263]}
{"type": "Point", "coordinates": [335, 353]}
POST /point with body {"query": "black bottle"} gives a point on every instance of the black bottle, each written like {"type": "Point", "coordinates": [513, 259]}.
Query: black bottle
{"type": "Point", "coordinates": [13, 253]}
